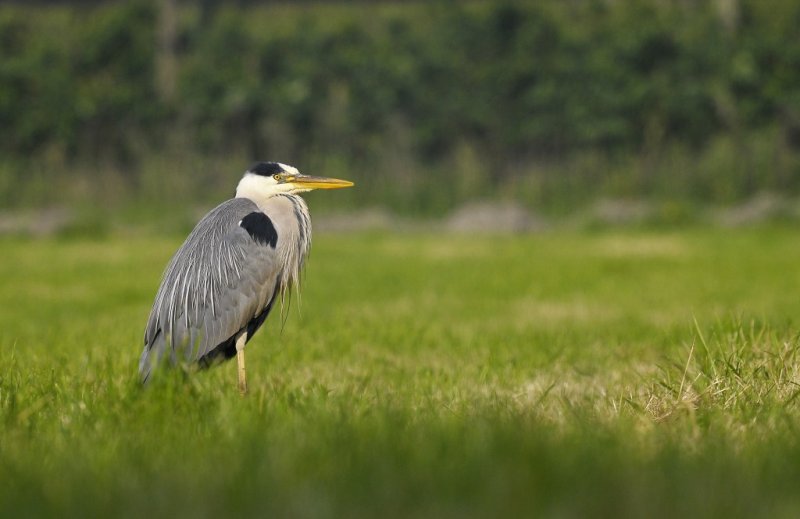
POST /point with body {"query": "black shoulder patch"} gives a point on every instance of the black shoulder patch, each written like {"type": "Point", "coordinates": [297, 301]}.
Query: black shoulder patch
{"type": "Point", "coordinates": [260, 228]}
{"type": "Point", "coordinates": [265, 169]}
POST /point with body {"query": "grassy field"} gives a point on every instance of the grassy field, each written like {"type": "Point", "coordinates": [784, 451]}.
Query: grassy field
{"type": "Point", "coordinates": [605, 374]}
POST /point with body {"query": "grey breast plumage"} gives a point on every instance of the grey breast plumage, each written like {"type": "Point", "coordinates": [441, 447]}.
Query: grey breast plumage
{"type": "Point", "coordinates": [222, 280]}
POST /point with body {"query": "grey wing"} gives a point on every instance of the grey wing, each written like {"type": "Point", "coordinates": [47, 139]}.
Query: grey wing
{"type": "Point", "coordinates": [222, 280]}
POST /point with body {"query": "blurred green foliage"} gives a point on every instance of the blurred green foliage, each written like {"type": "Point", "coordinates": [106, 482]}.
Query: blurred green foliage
{"type": "Point", "coordinates": [553, 103]}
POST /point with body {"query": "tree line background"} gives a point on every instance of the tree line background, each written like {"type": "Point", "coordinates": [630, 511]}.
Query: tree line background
{"type": "Point", "coordinates": [425, 105]}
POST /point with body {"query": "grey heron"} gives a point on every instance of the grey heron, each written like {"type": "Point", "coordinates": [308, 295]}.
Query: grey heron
{"type": "Point", "coordinates": [221, 284]}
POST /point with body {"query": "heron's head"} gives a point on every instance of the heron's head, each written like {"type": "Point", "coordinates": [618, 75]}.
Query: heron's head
{"type": "Point", "coordinates": [266, 179]}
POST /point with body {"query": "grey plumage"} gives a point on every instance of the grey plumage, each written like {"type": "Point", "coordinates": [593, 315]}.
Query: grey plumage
{"type": "Point", "coordinates": [241, 258]}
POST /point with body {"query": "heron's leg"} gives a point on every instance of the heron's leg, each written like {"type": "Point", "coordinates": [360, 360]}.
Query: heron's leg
{"type": "Point", "coordinates": [240, 342]}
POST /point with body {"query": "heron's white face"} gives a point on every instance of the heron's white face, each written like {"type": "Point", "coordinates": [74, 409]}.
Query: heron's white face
{"type": "Point", "coordinates": [273, 178]}
{"type": "Point", "coordinates": [265, 183]}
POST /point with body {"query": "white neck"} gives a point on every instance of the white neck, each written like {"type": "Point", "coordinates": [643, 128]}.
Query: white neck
{"type": "Point", "coordinates": [256, 189]}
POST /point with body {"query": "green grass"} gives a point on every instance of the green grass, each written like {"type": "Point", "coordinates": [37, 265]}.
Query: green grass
{"type": "Point", "coordinates": [607, 374]}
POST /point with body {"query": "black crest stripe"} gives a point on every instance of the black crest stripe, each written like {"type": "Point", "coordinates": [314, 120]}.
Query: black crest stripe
{"type": "Point", "coordinates": [265, 169]}
{"type": "Point", "coordinates": [260, 228]}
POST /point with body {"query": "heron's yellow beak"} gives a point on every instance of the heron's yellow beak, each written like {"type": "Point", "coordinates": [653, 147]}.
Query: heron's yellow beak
{"type": "Point", "coordinates": [312, 182]}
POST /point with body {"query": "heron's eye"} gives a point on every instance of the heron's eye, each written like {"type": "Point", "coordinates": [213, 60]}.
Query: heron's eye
{"type": "Point", "coordinates": [277, 177]}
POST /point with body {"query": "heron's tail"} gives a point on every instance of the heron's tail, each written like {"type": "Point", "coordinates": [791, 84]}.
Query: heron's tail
{"type": "Point", "coordinates": [151, 356]}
